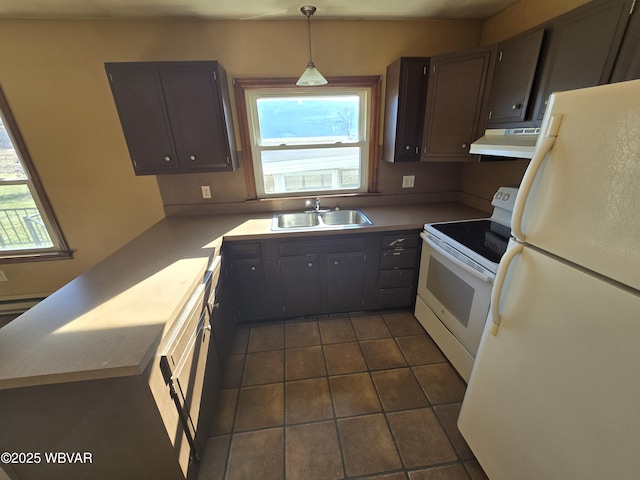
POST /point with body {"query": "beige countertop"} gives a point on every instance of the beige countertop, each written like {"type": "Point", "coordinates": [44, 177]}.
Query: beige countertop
{"type": "Point", "coordinates": [110, 320]}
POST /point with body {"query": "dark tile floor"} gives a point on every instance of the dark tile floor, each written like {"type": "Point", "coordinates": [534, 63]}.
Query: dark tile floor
{"type": "Point", "coordinates": [354, 396]}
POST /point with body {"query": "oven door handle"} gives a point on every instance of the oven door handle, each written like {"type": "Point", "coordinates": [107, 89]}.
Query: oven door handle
{"type": "Point", "coordinates": [459, 263]}
{"type": "Point", "coordinates": [501, 275]}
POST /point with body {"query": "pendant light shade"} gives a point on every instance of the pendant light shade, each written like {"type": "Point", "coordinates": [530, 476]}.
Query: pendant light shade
{"type": "Point", "coordinates": [311, 76]}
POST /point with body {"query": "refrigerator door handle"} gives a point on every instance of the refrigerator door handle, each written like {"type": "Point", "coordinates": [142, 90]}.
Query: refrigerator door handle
{"type": "Point", "coordinates": [496, 292]}
{"type": "Point", "coordinates": [545, 144]}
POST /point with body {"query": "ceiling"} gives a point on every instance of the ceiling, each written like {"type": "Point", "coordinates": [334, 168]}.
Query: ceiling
{"type": "Point", "coordinates": [252, 9]}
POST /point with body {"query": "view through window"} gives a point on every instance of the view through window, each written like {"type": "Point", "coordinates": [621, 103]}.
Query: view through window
{"type": "Point", "coordinates": [311, 141]}
{"type": "Point", "coordinates": [25, 228]}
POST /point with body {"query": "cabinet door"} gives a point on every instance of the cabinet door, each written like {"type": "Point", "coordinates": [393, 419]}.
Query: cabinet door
{"type": "Point", "coordinates": [301, 284]}
{"type": "Point", "coordinates": [583, 48]}
{"type": "Point", "coordinates": [627, 65]}
{"type": "Point", "coordinates": [345, 281]}
{"type": "Point", "coordinates": [139, 98]}
{"type": "Point", "coordinates": [250, 285]}
{"type": "Point", "coordinates": [513, 79]}
{"type": "Point", "coordinates": [454, 103]}
{"type": "Point", "coordinates": [195, 109]}
{"type": "Point", "coordinates": [404, 109]}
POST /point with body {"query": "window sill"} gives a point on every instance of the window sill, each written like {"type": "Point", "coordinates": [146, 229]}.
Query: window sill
{"type": "Point", "coordinates": [34, 257]}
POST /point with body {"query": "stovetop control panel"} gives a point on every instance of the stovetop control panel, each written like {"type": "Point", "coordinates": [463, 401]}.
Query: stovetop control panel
{"type": "Point", "coordinates": [505, 198]}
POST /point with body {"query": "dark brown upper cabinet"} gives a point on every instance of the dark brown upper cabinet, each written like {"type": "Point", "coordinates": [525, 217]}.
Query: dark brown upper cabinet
{"type": "Point", "coordinates": [176, 116]}
{"type": "Point", "coordinates": [406, 89]}
{"type": "Point", "coordinates": [513, 79]}
{"type": "Point", "coordinates": [582, 48]}
{"type": "Point", "coordinates": [456, 95]}
{"type": "Point", "coordinates": [627, 66]}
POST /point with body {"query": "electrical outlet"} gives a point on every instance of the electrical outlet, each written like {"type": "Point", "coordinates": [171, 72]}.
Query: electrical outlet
{"type": "Point", "coordinates": [206, 191]}
{"type": "Point", "coordinates": [3, 277]}
{"type": "Point", "coordinates": [408, 181]}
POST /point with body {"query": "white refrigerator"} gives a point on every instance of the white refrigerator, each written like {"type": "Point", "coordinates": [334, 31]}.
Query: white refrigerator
{"type": "Point", "coordinates": [555, 388]}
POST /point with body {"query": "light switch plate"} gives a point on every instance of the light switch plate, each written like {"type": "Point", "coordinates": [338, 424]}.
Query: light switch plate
{"type": "Point", "coordinates": [408, 181]}
{"type": "Point", "coordinates": [206, 191]}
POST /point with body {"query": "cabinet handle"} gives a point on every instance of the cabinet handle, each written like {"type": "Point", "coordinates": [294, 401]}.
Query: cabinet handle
{"type": "Point", "coordinates": [207, 328]}
{"type": "Point", "coordinates": [167, 159]}
{"type": "Point", "coordinates": [336, 262]}
{"type": "Point", "coordinates": [216, 305]}
{"type": "Point", "coordinates": [253, 268]}
{"type": "Point", "coordinates": [516, 106]}
{"type": "Point", "coordinates": [310, 264]}
{"type": "Point", "coordinates": [464, 145]}
{"type": "Point", "coordinates": [408, 147]}
{"type": "Point", "coordinates": [192, 157]}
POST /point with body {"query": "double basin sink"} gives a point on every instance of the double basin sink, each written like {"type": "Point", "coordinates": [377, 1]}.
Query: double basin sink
{"type": "Point", "coordinates": [315, 220]}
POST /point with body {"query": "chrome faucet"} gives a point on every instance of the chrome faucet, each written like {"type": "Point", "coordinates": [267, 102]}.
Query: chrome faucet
{"type": "Point", "coordinates": [315, 203]}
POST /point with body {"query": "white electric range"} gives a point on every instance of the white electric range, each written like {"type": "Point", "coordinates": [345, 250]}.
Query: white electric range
{"type": "Point", "coordinates": [457, 269]}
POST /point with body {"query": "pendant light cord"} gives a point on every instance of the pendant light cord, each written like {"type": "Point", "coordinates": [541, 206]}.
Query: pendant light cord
{"type": "Point", "coordinates": [309, 34]}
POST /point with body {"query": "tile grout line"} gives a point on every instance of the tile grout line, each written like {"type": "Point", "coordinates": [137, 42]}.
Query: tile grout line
{"type": "Point", "coordinates": [333, 409]}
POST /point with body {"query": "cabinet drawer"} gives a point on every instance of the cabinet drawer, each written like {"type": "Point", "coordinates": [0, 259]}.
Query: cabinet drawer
{"type": "Point", "coordinates": [243, 249]}
{"type": "Point", "coordinates": [403, 239]}
{"type": "Point", "coordinates": [396, 278]}
{"type": "Point", "coordinates": [395, 297]}
{"type": "Point", "coordinates": [321, 245]}
{"type": "Point", "coordinates": [399, 258]}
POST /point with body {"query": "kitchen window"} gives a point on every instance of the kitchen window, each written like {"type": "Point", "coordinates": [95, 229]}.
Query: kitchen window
{"type": "Point", "coordinates": [309, 140]}
{"type": "Point", "coordinates": [27, 226]}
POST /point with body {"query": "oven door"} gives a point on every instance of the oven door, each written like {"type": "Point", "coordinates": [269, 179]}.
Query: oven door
{"type": "Point", "coordinates": [457, 291]}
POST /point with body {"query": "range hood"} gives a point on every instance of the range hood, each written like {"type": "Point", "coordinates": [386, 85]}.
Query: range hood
{"type": "Point", "coordinates": [515, 142]}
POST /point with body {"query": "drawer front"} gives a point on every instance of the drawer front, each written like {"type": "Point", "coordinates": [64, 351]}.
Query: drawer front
{"type": "Point", "coordinates": [400, 240]}
{"type": "Point", "coordinates": [395, 297]}
{"type": "Point", "coordinates": [400, 258]}
{"type": "Point", "coordinates": [243, 249]}
{"type": "Point", "coordinates": [321, 245]}
{"type": "Point", "coordinates": [396, 278]}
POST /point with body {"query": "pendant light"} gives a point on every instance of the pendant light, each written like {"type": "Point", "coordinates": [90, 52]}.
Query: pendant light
{"type": "Point", "coordinates": [311, 76]}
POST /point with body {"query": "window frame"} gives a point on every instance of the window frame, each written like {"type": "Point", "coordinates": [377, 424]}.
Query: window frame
{"type": "Point", "coordinates": [372, 83]}
{"type": "Point", "coordinates": [60, 249]}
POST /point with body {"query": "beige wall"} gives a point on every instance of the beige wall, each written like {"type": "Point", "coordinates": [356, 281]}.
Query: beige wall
{"type": "Point", "coordinates": [53, 77]}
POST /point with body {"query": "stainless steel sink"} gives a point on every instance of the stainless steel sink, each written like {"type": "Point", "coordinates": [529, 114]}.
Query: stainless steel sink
{"type": "Point", "coordinates": [344, 217]}
{"type": "Point", "coordinates": [296, 220]}
{"type": "Point", "coordinates": [349, 218]}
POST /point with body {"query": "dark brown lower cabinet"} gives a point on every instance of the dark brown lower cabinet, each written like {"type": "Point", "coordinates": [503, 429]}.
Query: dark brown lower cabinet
{"type": "Point", "coordinates": [321, 274]}
{"type": "Point", "coordinates": [396, 276]}
{"type": "Point", "coordinates": [301, 285]}
{"type": "Point", "coordinates": [255, 286]}
{"type": "Point", "coordinates": [345, 281]}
